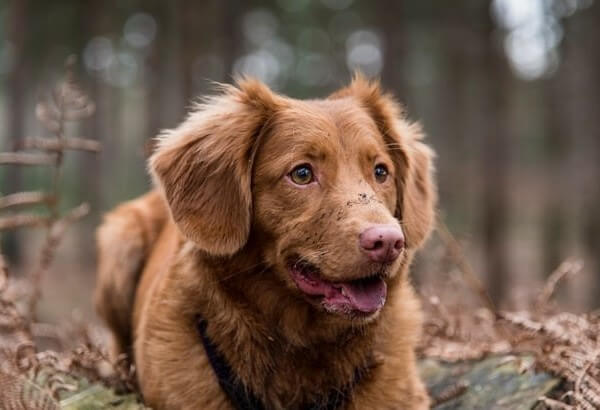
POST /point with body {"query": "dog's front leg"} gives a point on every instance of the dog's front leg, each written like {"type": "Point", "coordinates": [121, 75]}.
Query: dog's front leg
{"type": "Point", "coordinates": [173, 369]}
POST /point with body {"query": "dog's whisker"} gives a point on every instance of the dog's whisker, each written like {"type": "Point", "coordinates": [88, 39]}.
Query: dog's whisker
{"type": "Point", "coordinates": [318, 254]}
{"type": "Point", "coordinates": [406, 224]}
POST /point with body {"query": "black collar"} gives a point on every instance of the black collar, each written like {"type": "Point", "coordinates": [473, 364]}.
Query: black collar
{"type": "Point", "coordinates": [243, 398]}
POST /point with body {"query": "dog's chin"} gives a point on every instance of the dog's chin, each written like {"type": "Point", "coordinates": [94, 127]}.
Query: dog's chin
{"type": "Point", "coordinates": [357, 299]}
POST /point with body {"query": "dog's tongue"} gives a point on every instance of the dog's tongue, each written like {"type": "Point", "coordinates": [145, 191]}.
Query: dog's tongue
{"type": "Point", "coordinates": [365, 296]}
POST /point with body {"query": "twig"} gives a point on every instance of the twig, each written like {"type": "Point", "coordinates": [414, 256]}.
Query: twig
{"type": "Point", "coordinates": [23, 158]}
{"type": "Point", "coordinates": [25, 198]}
{"type": "Point", "coordinates": [464, 266]}
{"type": "Point", "coordinates": [567, 268]}
{"type": "Point", "coordinates": [522, 320]}
{"type": "Point", "coordinates": [55, 144]}
{"type": "Point", "coordinates": [23, 220]}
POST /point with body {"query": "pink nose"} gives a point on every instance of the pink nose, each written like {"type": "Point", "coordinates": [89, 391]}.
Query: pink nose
{"type": "Point", "coordinates": [382, 243]}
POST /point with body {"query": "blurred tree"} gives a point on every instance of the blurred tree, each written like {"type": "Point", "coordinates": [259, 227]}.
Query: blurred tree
{"type": "Point", "coordinates": [557, 147]}
{"type": "Point", "coordinates": [196, 22]}
{"type": "Point", "coordinates": [18, 84]}
{"type": "Point", "coordinates": [97, 24]}
{"type": "Point", "coordinates": [230, 33]}
{"type": "Point", "coordinates": [496, 159]}
{"type": "Point", "coordinates": [157, 71]}
{"type": "Point", "coordinates": [591, 208]}
{"type": "Point", "coordinates": [392, 17]}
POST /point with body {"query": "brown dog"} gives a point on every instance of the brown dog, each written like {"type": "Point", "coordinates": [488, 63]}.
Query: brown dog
{"type": "Point", "coordinates": [270, 268]}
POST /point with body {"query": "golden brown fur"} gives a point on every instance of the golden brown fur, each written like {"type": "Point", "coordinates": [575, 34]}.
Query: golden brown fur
{"type": "Point", "coordinates": [215, 237]}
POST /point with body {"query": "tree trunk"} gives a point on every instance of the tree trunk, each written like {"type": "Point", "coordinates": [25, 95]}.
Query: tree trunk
{"type": "Point", "coordinates": [496, 150]}
{"type": "Point", "coordinates": [230, 31]}
{"type": "Point", "coordinates": [591, 208]}
{"type": "Point", "coordinates": [17, 91]}
{"type": "Point", "coordinates": [557, 143]}
{"type": "Point", "coordinates": [97, 24]}
{"type": "Point", "coordinates": [157, 76]}
{"type": "Point", "coordinates": [391, 15]}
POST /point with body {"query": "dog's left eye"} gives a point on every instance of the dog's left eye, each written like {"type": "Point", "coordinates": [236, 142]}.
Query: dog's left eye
{"type": "Point", "coordinates": [302, 174]}
{"type": "Point", "coordinates": [381, 173]}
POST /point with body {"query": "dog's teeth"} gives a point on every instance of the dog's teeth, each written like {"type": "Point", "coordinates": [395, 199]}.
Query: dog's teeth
{"type": "Point", "coordinates": [343, 291]}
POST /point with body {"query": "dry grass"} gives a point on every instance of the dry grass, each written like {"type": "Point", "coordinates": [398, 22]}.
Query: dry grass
{"type": "Point", "coordinates": [564, 344]}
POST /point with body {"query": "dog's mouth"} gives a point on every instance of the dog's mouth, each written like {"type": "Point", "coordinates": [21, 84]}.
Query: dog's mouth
{"type": "Point", "coordinates": [359, 297]}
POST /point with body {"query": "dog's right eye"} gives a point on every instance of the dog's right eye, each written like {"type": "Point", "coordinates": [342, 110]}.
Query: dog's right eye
{"type": "Point", "coordinates": [381, 173]}
{"type": "Point", "coordinates": [302, 175]}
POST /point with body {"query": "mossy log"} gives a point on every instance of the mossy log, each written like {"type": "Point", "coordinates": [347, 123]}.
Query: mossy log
{"type": "Point", "coordinates": [498, 382]}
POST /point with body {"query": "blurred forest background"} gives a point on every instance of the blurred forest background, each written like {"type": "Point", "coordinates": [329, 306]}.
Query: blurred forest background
{"type": "Point", "coordinates": [508, 92]}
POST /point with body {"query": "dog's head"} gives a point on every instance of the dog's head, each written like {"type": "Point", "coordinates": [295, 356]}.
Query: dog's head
{"type": "Point", "coordinates": [338, 191]}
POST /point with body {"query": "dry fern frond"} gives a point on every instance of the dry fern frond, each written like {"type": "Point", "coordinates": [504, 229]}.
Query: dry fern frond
{"type": "Point", "coordinates": [30, 379]}
{"type": "Point", "coordinates": [25, 198]}
{"type": "Point", "coordinates": [552, 404]}
{"type": "Point", "coordinates": [23, 220]}
{"type": "Point", "coordinates": [24, 158]}
{"type": "Point", "coordinates": [19, 393]}
{"type": "Point", "coordinates": [55, 144]}
{"type": "Point", "coordinates": [565, 344]}
{"type": "Point", "coordinates": [66, 102]}
{"type": "Point", "coordinates": [566, 269]}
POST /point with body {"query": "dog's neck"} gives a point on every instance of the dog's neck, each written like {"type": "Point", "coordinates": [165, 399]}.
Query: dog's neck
{"type": "Point", "coordinates": [261, 329]}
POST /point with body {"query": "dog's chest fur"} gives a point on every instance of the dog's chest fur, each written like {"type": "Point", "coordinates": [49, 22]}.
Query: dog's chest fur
{"type": "Point", "coordinates": [285, 368]}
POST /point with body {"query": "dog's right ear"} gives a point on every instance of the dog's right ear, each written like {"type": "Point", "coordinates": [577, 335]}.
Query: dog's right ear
{"type": "Point", "coordinates": [204, 166]}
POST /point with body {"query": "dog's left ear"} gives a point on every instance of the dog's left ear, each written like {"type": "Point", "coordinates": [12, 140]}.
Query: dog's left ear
{"type": "Point", "coordinates": [417, 195]}
{"type": "Point", "coordinates": [204, 166]}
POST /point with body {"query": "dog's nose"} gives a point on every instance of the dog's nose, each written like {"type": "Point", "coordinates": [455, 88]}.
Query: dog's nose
{"type": "Point", "coordinates": [382, 243]}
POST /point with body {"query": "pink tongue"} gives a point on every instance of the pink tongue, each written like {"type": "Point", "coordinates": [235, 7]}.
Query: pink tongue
{"type": "Point", "coordinates": [366, 297]}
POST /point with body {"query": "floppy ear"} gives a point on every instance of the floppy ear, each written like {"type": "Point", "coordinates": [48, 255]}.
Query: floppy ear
{"type": "Point", "coordinates": [417, 195]}
{"type": "Point", "coordinates": [204, 166]}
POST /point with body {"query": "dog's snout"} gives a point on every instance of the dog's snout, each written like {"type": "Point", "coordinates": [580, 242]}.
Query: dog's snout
{"type": "Point", "coordinates": [382, 243]}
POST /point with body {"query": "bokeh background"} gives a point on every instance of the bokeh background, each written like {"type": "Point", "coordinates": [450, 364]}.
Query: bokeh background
{"type": "Point", "coordinates": [508, 92]}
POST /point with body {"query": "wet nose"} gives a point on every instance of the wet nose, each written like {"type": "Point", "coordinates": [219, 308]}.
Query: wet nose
{"type": "Point", "coordinates": [382, 243]}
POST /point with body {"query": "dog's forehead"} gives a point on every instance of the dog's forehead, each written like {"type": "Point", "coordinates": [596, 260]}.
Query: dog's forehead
{"type": "Point", "coordinates": [338, 123]}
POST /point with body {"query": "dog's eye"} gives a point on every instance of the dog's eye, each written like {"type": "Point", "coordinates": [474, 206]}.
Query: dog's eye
{"type": "Point", "coordinates": [381, 173]}
{"type": "Point", "coordinates": [302, 174]}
